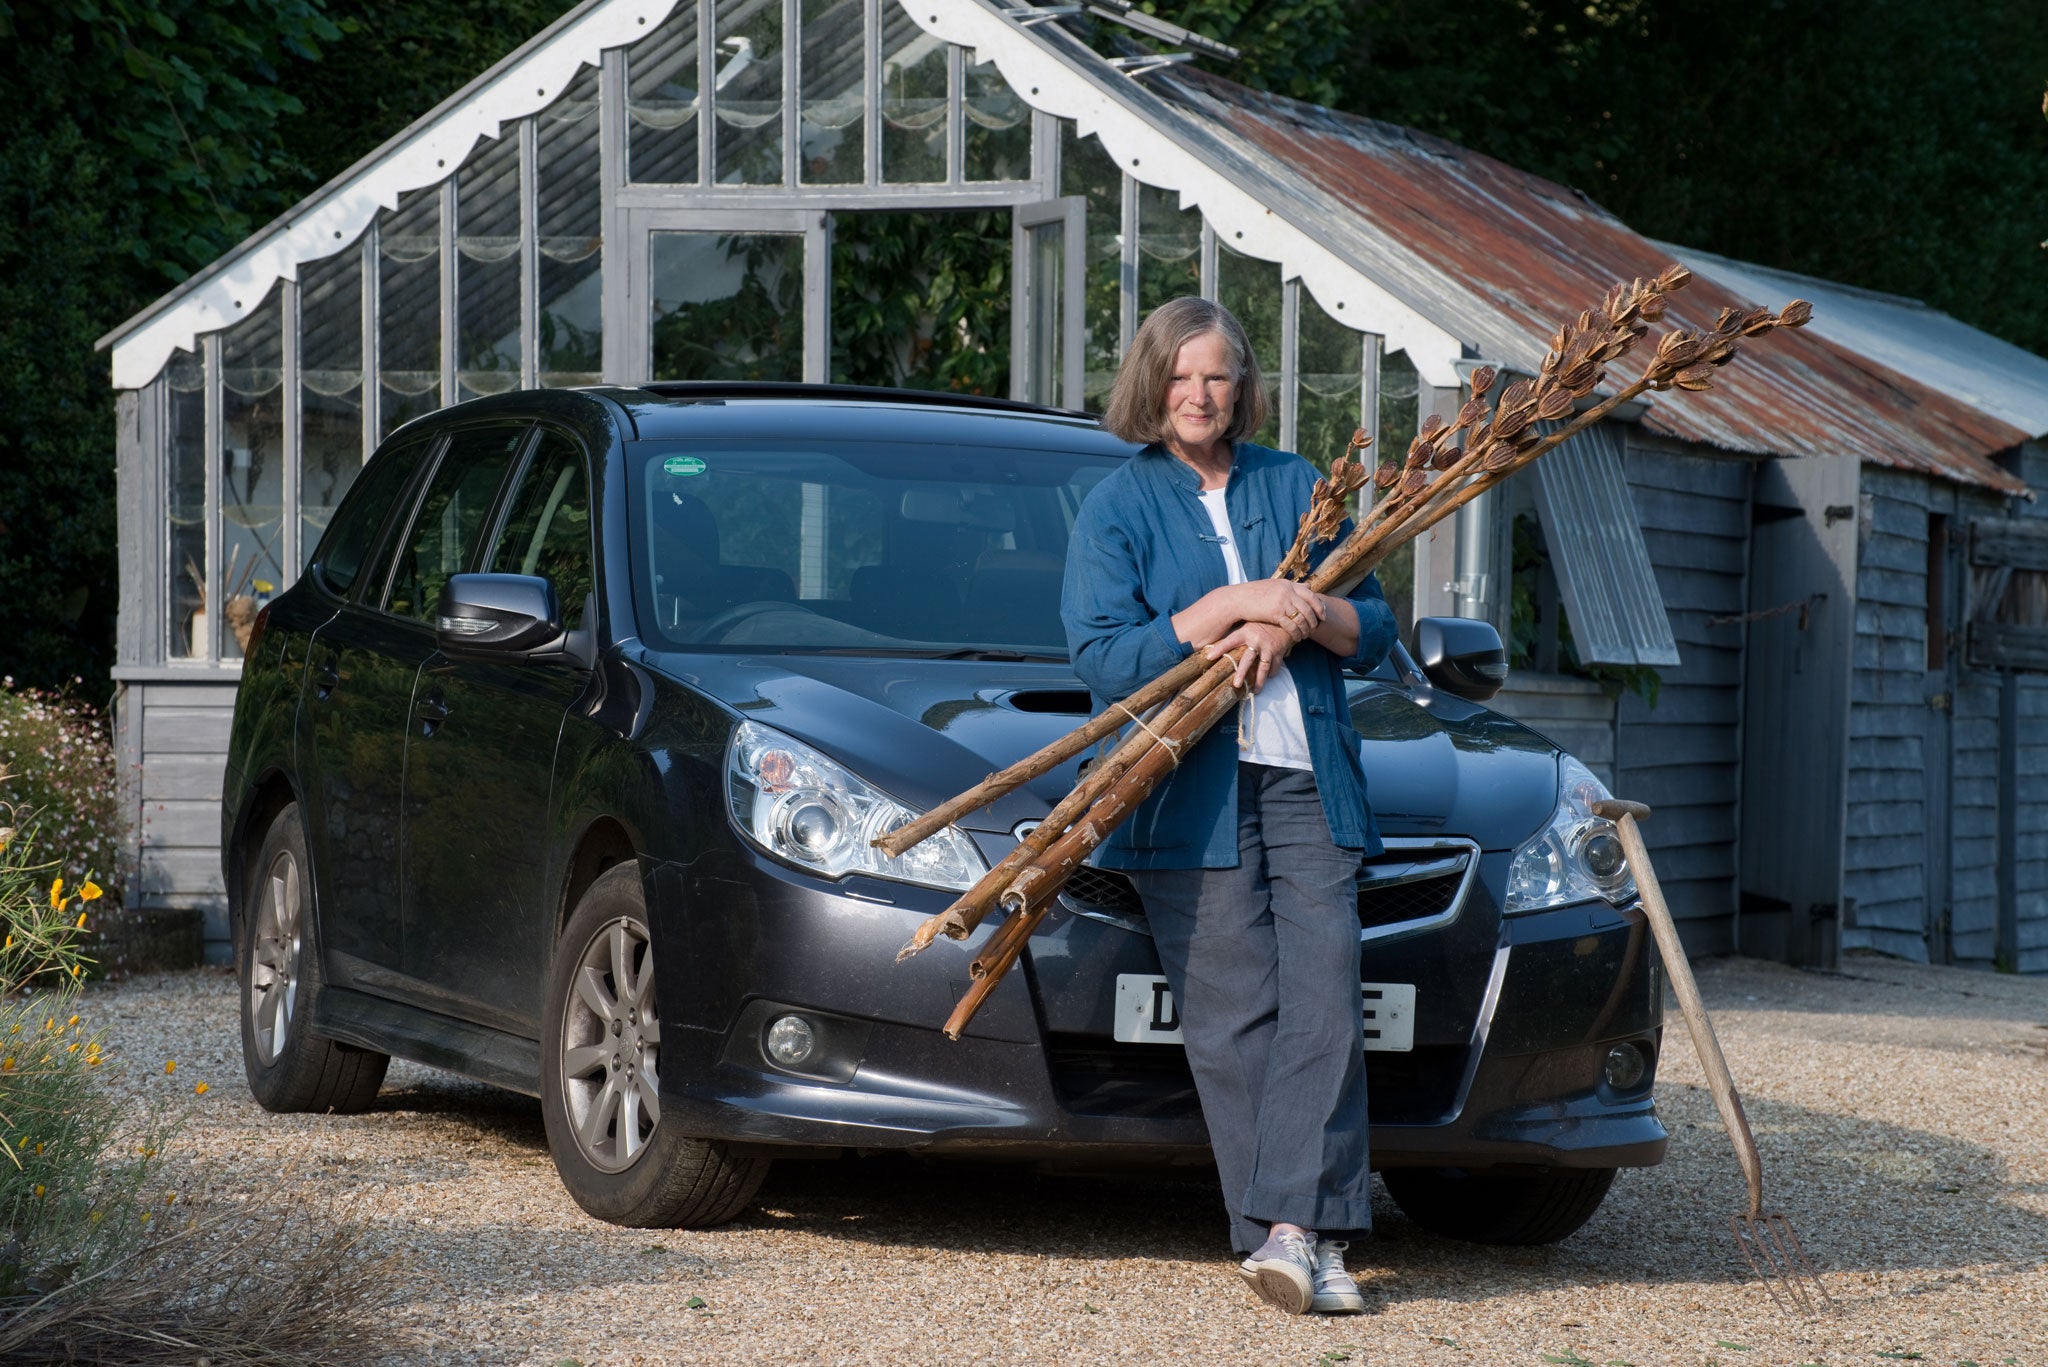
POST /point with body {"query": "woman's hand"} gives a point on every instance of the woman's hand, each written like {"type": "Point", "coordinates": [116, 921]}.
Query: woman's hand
{"type": "Point", "coordinates": [1264, 646]}
{"type": "Point", "coordinates": [1293, 607]}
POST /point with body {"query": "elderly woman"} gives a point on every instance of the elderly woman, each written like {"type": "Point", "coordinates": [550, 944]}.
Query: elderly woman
{"type": "Point", "coordinates": [1246, 855]}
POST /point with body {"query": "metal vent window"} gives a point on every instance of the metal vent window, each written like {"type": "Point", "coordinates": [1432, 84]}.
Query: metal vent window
{"type": "Point", "coordinates": [1597, 552]}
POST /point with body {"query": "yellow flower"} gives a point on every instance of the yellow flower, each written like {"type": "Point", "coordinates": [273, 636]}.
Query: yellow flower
{"type": "Point", "coordinates": [72, 1021]}
{"type": "Point", "coordinates": [170, 1065]}
{"type": "Point", "coordinates": [145, 1217]}
{"type": "Point", "coordinates": [169, 1197]}
{"type": "Point", "coordinates": [77, 969]}
{"type": "Point", "coordinates": [7, 1064]}
{"type": "Point", "coordinates": [10, 942]}
{"type": "Point", "coordinates": [39, 1189]}
{"type": "Point", "coordinates": [81, 921]}
{"type": "Point", "coordinates": [90, 892]}
{"type": "Point", "coordinates": [71, 1048]}
{"type": "Point", "coordinates": [200, 1090]}
{"type": "Point", "coordinates": [57, 893]}
{"type": "Point", "coordinates": [39, 1149]}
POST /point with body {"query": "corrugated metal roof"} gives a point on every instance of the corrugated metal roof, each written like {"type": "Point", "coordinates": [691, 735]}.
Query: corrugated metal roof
{"type": "Point", "coordinates": [1941, 352]}
{"type": "Point", "coordinates": [1500, 257]}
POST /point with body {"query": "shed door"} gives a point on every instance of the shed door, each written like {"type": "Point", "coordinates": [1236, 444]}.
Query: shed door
{"type": "Point", "coordinates": [1937, 750]}
{"type": "Point", "coordinates": [1045, 312]}
{"type": "Point", "coordinates": [723, 295]}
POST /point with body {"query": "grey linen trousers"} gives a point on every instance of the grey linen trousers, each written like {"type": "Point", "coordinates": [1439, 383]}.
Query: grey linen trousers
{"type": "Point", "coordinates": [1263, 963]}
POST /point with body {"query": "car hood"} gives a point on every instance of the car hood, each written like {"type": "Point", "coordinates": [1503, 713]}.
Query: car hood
{"type": "Point", "coordinates": [923, 730]}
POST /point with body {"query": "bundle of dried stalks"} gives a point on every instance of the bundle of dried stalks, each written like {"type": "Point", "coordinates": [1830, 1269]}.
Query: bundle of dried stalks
{"type": "Point", "coordinates": [1446, 466]}
{"type": "Point", "coordinates": [271, 1283]}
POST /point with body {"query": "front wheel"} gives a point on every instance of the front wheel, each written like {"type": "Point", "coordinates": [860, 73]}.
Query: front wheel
{"type": "Point", "coordinates": [601, 1079]}
{"type": "Point", "coordinates": [289, 1068]}
{"type": "Point", "coordinates": [1513, 1209]}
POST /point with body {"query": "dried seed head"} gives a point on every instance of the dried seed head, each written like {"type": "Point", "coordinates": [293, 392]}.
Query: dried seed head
{"type": "Point", "coordinates": [1516, 395]}
{"type": "Point", "coordinates": [1474, 411]}
{"type": "Point", "coordinates": [1581, 377]}
{"type": "Point", "coordinates": [1482, 378]}
{"type": "Point", "coordinates": [1415, 481]}
{"type": "Point", "coordinates": [1499, 455]}
{"type": "Point", "coordinates": [1695, 379]}
{"type": "Point", "coordinates": [1554, 405]}
{"type": "Point", "coordinates": [1795, 314]}
{"type": "Point", "coordinates": [1757, 322]}
{"type": "Point", "coordinates": [1385, 476]}
{"type": "Point", "coordinates": [1674, 277]}
{"type": "Point", "coordinates": [1448, 456]}
{"type": "Point", "coordinates": [1431, 425]}
{"type": "Point", "coordinates": [1359, 440]}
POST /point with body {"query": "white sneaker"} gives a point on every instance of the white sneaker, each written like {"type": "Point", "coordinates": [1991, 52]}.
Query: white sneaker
{"type": "Point", "coordinates": [1336, 1290]}
{"type": "Point", "coordinates": [1283, 1272]}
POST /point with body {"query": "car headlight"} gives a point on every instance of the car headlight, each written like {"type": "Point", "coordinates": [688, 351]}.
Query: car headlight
{"type": "Point", "coordinates": [1576, 856]}
{"type": "Point", "coordinates": [809, 810]}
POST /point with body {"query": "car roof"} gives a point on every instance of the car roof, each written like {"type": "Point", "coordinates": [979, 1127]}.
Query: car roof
{"type": "Point", "coordinates": [675, 409]}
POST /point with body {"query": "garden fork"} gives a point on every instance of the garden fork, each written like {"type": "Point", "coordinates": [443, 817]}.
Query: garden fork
{"type": "Point", "coordinates": [1766, 1240]}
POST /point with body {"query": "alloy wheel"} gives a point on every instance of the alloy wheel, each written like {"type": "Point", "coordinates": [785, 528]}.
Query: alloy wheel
{"type": "Point", "coordinates": [274, 959]}
{"type": "Point", "coordinates": [611, 1042]}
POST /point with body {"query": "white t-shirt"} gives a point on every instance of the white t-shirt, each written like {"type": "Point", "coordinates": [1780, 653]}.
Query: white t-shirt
{"type": "Point", "coordinates": [1270, 729]}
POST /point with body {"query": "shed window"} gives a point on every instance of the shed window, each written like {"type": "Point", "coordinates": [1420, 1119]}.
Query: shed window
{"type": "Point", "coordinates": [185, 504]}
{"type": "Point", "coordinates": [1169, 249]}
{"type": "Point", "coordinates": [251, 476]}
{"type": "Point", "coordinates": [998, 126]}
{"type": "Point", "coordinates": [1251, 289]}
{"type": "Point", "coordinates": [834, 117]}
{"type": "Point", "coordinates": [914, 127]}
{"type": "Point", "coordinates": [409, 308]}
{"type": "Point", "coordinates": [331, 389]}
{"type": "Point", "coordinates": [1087, 170]}
{"type": "Point", "coordinates": [662, 102]}
{"type": "Point", "coordinates": [571, 238]}
{"type": "Point", "coordinates": [727, 306]}
{"type": "Point", "coordinates": [487, 270]}
{"type": "Point", "coordinates": [747, 93]}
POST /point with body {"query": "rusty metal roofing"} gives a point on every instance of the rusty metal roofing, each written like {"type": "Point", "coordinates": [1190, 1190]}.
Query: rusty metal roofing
{"type": "Point", "coordinates": [1500, 257]}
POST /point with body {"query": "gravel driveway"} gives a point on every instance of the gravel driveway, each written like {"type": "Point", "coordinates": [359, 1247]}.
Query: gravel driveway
{"type": "Point", "coordinates": [1902, 1112]}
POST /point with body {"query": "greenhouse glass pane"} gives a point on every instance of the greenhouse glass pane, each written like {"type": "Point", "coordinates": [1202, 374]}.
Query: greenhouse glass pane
{"type": "Point", "coordinates": [1169, 249]}
{"type": "Point", "coordinates": [185, 492]}
{"type": "Point", "coordinates": [330, 389]}
{"type": "Point", "coordinates": [1328, 370]}
{"type": "Point", "coordinates": [913, 101]}
{"type": "Point", "coordinates": [661, 102]}
{"type": "Point", "coordinates": [1398, 415]}
{"type": "Point", "coordinates": [1250, 288]}
{"type": "Point", "coordinates": [748, 92]}
{"type": "Point", "coordinates": [998, 126]}
{"type": "Point", "coordinates": [409, 307]}
{"type": "Point", "coordinates": [487, 269]}
{"type": "Point", "coordinates": [835, 92]}
{"type": "Point", "coordinates": [1087, 169]}
{"type": "Point", "coordinates": [570, 230]}
{"type": "Point", "coordinates": [727, 306]}
{"type": "Point", "coordinates": [251, 470]}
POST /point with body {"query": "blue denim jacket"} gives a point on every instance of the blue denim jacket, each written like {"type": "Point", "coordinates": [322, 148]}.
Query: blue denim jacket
{"type": "Point", "coordinates": [1143, 549]}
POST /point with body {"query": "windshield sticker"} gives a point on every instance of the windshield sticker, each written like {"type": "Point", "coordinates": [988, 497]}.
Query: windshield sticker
{"type": "Point", "coordinates": [682, 465]}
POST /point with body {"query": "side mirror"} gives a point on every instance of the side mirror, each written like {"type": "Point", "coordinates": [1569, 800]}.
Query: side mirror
{"type": "Point", "coordinates": [497, 616]}
{"type": "Point", "coordinates": [1461, 656]}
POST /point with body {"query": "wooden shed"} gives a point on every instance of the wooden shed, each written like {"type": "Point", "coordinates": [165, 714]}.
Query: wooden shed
{"type": "Point", "coordinates": [649, 190]}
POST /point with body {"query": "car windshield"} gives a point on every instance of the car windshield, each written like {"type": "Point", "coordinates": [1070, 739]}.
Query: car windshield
{"type": "Point", "coordinates": [855, 547]}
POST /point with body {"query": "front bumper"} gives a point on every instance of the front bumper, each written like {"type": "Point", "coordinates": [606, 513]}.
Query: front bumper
{"type": "Point", "coordinates": [1506, 1069]}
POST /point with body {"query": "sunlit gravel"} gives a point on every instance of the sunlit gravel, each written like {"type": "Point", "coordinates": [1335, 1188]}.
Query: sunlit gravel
{"type": "Point", "coordinates": [1902, 1112]}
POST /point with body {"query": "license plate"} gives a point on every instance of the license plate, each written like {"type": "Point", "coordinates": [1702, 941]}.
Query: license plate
{"type": "Point", "coordinates": [1146, 1014]}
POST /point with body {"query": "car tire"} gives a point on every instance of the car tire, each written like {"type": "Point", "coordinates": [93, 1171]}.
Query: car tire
{"type": "Point", "coordinates": [600, 1079]}
{"type": "Point", "coordinates": [290, 1068]}
{"type": "Point", "coordinates": [1513, 1209]}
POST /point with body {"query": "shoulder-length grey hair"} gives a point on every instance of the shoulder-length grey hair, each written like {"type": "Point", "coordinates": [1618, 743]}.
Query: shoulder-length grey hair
{"type": "Point", "coordinates": [1137, 401]}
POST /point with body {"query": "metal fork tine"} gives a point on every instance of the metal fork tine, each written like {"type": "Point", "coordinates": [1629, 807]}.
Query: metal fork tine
{"type": "Point", "coordinates": [1773, 1251]}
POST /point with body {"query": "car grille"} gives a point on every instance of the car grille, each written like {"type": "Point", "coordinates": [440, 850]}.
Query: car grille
{"type": "Point", "coordinates": [1401, 886]}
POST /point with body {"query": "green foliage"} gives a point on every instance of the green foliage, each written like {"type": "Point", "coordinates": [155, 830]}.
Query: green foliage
{"type": "Point", "coordinates": [1526, 627]}
{"type": "Point", "coordinates": [1896, 147]}
{"type": "Point", "coordinates": [1290, 47]}
{"type": "Point", "coordinates": [57, 772]}
{"type": "Point", "coordinates": [922, 301]}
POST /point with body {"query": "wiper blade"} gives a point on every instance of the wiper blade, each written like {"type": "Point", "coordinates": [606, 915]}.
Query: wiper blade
{"type": "Point", "coordinates": [958, 653]}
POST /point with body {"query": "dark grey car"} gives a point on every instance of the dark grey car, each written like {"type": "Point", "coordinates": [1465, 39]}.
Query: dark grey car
{"type": "Point", "coordinates": [559, 766]}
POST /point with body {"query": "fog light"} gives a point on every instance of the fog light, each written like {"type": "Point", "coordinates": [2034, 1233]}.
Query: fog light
{"type": "Point", "coordinates": [1604, 856]}
{"type": "Point", "coordinates": [1624, 1068]}
{"type": "Point", "coordinates": [791, 1041]}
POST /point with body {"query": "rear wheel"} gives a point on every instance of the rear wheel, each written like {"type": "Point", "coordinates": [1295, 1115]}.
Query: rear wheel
{"type": "Point", "coordinates": [601, 1079]}
{"type": "Point", "coordinates": [1483, 1208]}
{"type": "Point", "coordinates": [289, 1068]}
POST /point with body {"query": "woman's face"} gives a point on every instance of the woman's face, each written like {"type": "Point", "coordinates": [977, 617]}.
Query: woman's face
{"type": "Point", "coordinates": [1202, 391]}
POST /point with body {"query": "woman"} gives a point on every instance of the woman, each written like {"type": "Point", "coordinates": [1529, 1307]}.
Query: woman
{"type": "Point", "coordinates": [1245, 856]}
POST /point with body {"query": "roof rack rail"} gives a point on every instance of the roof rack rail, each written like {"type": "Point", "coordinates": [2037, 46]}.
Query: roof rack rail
{"type": "Point", "coordinates": [701, 390]}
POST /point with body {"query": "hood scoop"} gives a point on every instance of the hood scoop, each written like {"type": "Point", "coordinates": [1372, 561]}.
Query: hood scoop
{"type": "Point", "coordinates": [1066, 702]}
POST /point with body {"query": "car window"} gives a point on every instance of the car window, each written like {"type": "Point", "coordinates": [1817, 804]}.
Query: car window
{"type": "Point", "coordinates": [347, 542]}
{"type": "Point", "coordinates": [547, 531]}
{"type": "Point", "coordinates": [450, 521]}
{"type": "Point", "coordinates": [852, 546]}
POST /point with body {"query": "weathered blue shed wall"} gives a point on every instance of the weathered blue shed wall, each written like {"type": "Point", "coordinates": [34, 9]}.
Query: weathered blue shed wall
{"type": "Point", "coordinates": [1683, 756]}
{"type": "Point", "coordinates": [2031, 771]}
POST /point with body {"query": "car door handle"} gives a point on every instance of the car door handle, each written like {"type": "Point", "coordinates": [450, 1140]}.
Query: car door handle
{"type": "Point", "coordinates": [432, 711]}
{"type": "Point", "coordinates": [325, 677]}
